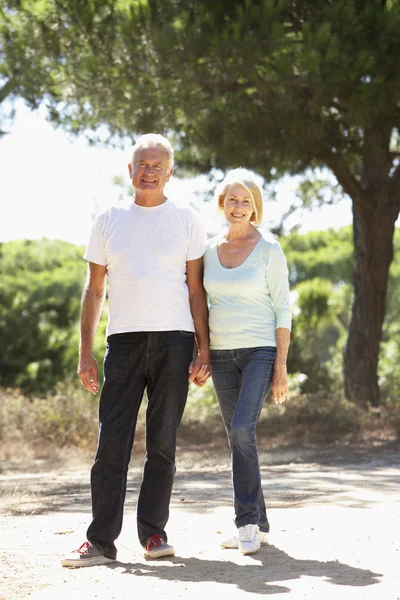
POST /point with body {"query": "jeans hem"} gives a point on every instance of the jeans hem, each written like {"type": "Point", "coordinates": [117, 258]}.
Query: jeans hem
{"type": "Point", "coordinates": [246, 523]}
{"type": "Point", "coordinates": [109, 555]}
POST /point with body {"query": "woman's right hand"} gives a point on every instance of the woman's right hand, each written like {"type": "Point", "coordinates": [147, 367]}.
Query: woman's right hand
{"type": "Point", "coordinates": [280, 384]}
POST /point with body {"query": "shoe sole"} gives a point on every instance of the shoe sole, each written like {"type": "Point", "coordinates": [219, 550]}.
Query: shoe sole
{"type": "Point", "coordinates": [253, 551]}
{"type": "Point", "coordinates": [233, 544]}
{"type": "Point", "coordinates": [86, 562]}
{"type": "Point", "coordinates": [230, 544]}
{"type": "Point", "coordinates": [159, 553]}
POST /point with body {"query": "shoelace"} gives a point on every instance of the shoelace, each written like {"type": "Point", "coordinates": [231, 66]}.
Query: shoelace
{"type": "Point", "coordinates": [84, 548]}
{"type": "Point", "coordinates": [248, 533]}
{"type": "Point", "coordinates": [155, 540]}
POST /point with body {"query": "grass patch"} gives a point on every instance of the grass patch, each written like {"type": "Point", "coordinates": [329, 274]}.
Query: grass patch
{"type": "Point", "coordinates": [322, 418]}
{"type": "Point", "coordinates": [37, 426]}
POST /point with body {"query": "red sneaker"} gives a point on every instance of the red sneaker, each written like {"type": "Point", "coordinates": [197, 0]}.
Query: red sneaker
{"type": "Point", "coordinates": [86, 556]}
{"type": "Point", "coordinates": [156, 546]}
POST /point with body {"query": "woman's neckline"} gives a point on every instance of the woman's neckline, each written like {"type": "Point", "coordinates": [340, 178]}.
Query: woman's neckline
{"type": "Point", "coordinates": [243, 262]}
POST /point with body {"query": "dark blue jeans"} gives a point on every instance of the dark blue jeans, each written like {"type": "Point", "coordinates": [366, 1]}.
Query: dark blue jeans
{"type": "Point", "coordinates": [133, 362]}
{"type": "Point", "coordinates": [242, 379]}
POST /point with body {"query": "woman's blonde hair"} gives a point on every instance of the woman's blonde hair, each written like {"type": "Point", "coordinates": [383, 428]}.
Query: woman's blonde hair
{"type": "Point", "coordinates": [246, 179]}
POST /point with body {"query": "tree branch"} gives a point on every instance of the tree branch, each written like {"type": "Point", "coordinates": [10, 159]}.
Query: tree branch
{"type": "Point", "coordinates": [347, 180]}
{"type": "Point", "coordinates": [7, 89]}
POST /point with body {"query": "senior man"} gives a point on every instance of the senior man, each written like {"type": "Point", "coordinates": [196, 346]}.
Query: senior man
{"type": "Point", "coordinates": [149, 251]}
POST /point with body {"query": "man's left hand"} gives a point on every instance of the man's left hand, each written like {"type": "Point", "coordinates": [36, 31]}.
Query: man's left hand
{"type": "Point", "coordinates": [199, 370]}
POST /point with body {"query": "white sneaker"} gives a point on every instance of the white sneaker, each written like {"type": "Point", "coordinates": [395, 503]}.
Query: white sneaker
{"type": "Point", "coordinates": [249, 539]}
{"type": "Point", "coordinates": [233, 542]}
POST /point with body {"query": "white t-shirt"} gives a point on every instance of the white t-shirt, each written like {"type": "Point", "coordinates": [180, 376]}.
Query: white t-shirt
{"type": "Point", "coordinates": [145, 250]}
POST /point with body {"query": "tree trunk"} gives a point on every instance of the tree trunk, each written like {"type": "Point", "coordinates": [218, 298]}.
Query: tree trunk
{"type": "Point", "coordinates": [373, 227]}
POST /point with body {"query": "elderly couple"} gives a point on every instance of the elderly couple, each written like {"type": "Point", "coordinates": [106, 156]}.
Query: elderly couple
{"type": "Point", "coordinates": [169, 325]}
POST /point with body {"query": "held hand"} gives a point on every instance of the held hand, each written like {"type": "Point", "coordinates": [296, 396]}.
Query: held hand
{"type": "Point", "coordinates": [88, 372]}
{"type": "Point", "coordinates": [280, 384]}
{"type": "Point", "coordinates": [199, 370]}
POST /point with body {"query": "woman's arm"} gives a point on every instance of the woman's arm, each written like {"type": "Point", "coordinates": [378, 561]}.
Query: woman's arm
{"type": "Point", "coordinates": [280, 383]}
{"type": "Point", "coordinates": [278, 283]}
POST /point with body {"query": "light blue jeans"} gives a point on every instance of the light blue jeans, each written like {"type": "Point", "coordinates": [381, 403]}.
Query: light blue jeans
{"type": "Point", "coordinates": [242, 379]}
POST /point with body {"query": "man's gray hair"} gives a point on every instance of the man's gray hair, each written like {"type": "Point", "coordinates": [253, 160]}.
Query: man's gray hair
{"type": "Point", "coordinates": [154, 140]}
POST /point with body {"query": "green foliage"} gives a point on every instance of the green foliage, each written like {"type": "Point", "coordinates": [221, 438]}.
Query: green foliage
{"type": "Point", "coordinates": [40, 288]}
{"type": "Point", "coordinates": [287, 85]}
{"type": "Point", "coordinates": [389, 360]}
{"type": "Point", "coordinates": [282, 86]}
{"type": "Point", "coordinates": [315, 334]}
{"type": "Point", "coordinates": [313, 303]}
{"type": "Point", "coordinates": [389, 375]}
{"type": "Point", "coordinates": [326, 254]}
{"type": "Point", "coordinates": [202, 402]}
{"type": "Point", "coordinates": [319, 265]}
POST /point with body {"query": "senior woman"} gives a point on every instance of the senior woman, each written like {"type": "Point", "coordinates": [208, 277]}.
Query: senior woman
{"type": "Point", "coordinates": [246, 280]}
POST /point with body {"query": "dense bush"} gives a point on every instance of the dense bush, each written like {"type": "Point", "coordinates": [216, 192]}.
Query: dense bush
{"type": "Point", "coordinates": [40, 289]}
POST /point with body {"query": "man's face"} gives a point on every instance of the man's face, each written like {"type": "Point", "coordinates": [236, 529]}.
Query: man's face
{"type": "Point", "coordinates": [150, 170]}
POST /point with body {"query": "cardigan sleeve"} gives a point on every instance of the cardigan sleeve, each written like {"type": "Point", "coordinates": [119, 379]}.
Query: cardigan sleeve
{"type": "Point", "coordinates": [278, 285]}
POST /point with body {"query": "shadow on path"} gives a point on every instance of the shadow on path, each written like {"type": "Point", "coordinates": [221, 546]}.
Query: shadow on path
{"type": "Point", "coordinates": [358, 476]}
{"type": "Point", "coordinates": [257, 578]}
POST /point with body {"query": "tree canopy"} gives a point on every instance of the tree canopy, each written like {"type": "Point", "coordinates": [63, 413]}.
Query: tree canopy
{"type": "Point", "coordinates": [314, 76]}
{"type": "Point", "coordinates": [279, 86]}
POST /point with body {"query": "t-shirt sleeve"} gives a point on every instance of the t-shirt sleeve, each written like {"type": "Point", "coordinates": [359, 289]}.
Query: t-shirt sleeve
{"type": "Point", "coordinates": [197, 240]}
{"type": "Point", "coordinates": [278, 284]}
{"type": "Point", "coordinates": [95, 249]}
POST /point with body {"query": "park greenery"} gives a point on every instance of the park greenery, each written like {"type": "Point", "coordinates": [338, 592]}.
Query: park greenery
{"type": "Point", "coordinates": [40, 289]}
{"type": "Point", "coordinates": [284, 86]}
{"type": "Point", "coordinates": [40, 395]}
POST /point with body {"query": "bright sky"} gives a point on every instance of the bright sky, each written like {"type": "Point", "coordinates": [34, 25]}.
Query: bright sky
{"type": "Point", "coordinates": [52, 186]}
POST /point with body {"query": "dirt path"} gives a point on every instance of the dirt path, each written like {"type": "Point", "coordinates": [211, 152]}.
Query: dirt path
{"type": "Point", "coordinates": [335, 530]}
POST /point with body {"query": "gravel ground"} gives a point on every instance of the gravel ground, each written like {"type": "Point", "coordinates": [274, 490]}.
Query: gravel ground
{"type": "Point", "coordinates": [335, 529]}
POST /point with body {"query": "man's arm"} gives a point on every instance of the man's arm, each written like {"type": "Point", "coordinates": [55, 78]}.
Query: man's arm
{"type": "Point", "coordinates": [199, 370]}
{"type": "Point", "coordinates": [92, 303]}
{"type": "Point", "coordinates": [280, 384]}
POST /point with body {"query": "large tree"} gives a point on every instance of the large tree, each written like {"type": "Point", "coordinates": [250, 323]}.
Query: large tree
{"type": "Point", "coordinates": [280, 86]}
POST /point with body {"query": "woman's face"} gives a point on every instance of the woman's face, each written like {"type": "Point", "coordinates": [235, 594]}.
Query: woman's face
{"type": "Point", "coordinates": [238, 205]}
